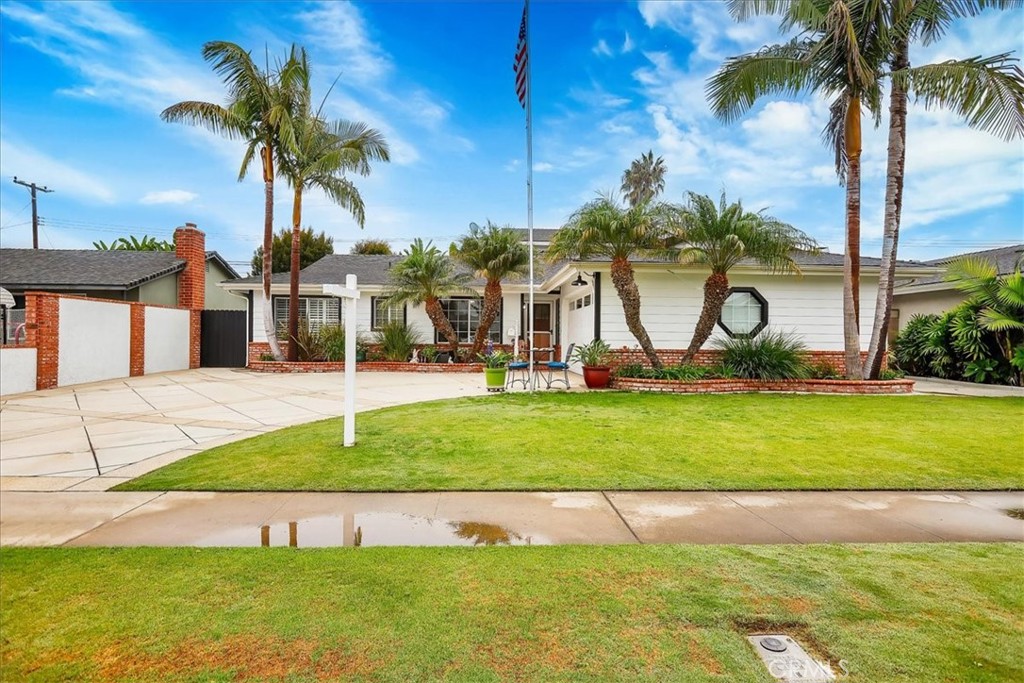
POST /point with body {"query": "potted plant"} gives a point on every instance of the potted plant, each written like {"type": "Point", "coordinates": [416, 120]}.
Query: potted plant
{"type": "Point", "coordinates": [594, 359]}
{"type": "Point", "coordinates": [428, 354]}
{"type": "Point", "coordinates": [495, 368]}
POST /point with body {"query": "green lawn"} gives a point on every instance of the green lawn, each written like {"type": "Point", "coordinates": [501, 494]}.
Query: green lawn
{"type": "Point", "coordinates": [945, 612]}
{"type": "Point", "coordinates": [631, 442]}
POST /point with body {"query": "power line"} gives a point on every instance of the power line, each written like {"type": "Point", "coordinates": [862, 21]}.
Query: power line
{"type": "Point", "coordinates": [35, 214]}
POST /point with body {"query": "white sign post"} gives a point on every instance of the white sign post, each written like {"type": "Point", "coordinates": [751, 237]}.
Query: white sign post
{"type": "Point", "coordinates": [350, 294]}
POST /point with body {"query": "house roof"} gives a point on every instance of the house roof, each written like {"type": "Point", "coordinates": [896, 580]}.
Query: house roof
{"type": "Point", "coordinates": [1004, 258]}
{"type": "Point", "coordinates": [23, 269]}
{"type": "Point", "coordinates": [368, 269]}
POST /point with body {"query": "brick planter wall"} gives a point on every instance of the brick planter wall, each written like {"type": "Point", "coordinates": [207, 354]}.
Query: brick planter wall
{"type": "Point", "coordinates": [712, 357]}
{"type": "Point", "coordinates": [366, 366]}
{"type": "Point", "coordinates": [801, 386]}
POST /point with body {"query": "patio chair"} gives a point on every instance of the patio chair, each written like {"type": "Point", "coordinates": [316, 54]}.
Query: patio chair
{"type": "Point", "coordinates": [554, 366]}
{"type": "Point", "coordinates": [518, 372]}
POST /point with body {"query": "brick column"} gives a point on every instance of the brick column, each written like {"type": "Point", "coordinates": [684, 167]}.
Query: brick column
{"type": "Point", "coordinates": [137, 349]}
{"type": "Point", "coordinates": [42, 330]}
{"type": "Point", "coordinates": [190, 245]}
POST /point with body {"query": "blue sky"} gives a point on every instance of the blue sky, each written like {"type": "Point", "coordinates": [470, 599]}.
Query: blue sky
{"type": "Point", "coordinates": [82, 85]}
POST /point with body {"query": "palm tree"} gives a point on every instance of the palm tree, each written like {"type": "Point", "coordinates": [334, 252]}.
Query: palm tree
{"type": "Point", "coordinates": [494, 253]}
{"type": "Point", "coordinates": [644, 180]}
{"type": "Point", "coordinates": [425, 275]}
{"type": "Point", "coordinates": [322, 153]}
{"type": "Point", "coordinates": [720, 237]}
{"type": "Point", "coordinates": [838, 53]}
{"type": "Point", "coordinates": [987, 92]}
{"type": "Point", "coordinates": [259, 111]}
{"type": "Point", "coordinates": [602, 228]}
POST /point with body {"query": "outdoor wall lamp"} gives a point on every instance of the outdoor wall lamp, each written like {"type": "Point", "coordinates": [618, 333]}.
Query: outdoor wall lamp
{"type": "Point", "coordinates": [579, 281]}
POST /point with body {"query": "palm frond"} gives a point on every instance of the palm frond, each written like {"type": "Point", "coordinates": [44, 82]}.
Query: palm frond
{"type": "Point", "coordinates": [988, 92]}
{"type": "Point", "coordinates": [773, 70]}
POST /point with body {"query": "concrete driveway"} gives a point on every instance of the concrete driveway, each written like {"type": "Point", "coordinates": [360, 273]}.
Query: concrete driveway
{"type": "Point", "coordinates": [93, 436]}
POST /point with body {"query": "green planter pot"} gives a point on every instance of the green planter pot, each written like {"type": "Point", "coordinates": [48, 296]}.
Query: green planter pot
{"type": "Point", "coordinates": [495, 378]}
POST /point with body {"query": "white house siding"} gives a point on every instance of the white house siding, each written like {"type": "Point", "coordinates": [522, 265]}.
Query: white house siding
{"type": "Point", "coordinates": [577, 322]}
{"type": "Point", "coordinates": [811, 307]}
{"type": "Point", "coordinates": [17, 370]}
{"type": "Point", "coordinates": [86, 327]}
{"type": "Point", "coordinates": [166, 339]}
{"type": "Point", "coordinates": [924, 303]}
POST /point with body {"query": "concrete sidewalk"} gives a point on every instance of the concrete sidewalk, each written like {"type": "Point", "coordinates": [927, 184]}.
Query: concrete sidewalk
{"type": "Point", "coordinates": [484, 518]}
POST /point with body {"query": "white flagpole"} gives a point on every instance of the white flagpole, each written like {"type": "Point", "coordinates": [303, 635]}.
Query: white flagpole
{"type": "Point", "coordinates": [529, 189]}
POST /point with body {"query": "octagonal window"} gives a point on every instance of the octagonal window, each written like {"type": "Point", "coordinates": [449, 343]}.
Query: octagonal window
{"type": "Point", "coordinates": [745, 312]}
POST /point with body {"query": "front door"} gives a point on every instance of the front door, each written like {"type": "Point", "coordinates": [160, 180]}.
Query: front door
{"type": "Point", "coordinates": [542, 327]}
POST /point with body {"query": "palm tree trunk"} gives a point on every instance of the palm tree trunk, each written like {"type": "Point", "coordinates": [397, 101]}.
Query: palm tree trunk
{"type": "Point", "coordinates": [293, 284]}
{"type": "Point", "coordinates": [851, 263]}
{"type": "Point", "coordinates": [492, 304]}
{"type": "Point", "coordinates": [629, 293]}
{"type": "Point", "coordinates": [442, 325]}
{"type": "Point", "coordinates": [893, 209]}
{"type": "Point", "coordinates": [716, 291]}
{"type": "Point", "coordinates": [268, 246]}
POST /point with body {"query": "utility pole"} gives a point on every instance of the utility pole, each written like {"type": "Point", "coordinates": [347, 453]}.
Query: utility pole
{"type": "Point", "coordinates": [35, 215]}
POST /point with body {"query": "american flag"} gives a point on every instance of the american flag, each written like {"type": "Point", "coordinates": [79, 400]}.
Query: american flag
{"type": "Point", "coordinates": [520, 64]}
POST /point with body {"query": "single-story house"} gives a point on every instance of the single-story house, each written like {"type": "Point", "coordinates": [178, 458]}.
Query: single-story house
{"type": "Point", "coordinates": [146, 276]}
{"type": "Point", "coordinates": [933, 294]}
{"type": "Point", "coordinates": [576, 302]}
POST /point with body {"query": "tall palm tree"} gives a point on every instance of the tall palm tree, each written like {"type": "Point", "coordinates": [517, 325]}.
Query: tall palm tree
{"type": "Point", "coordinates": [644, 180]}
{"type": "Point", "coordinates": [322, 153]}
{"type": "Point", "coordinates": [987, 92]}
{"type": "Point", "coordinates": [838, 52]}
{"type": "Point", "coordinates": [603, 228]}
{"type": "Point", "coordinates": [494, 253]}
{"type": "Point", "coordinates": [425, 275]}
{"type": "Point", "coordinates": [720, 237]}
{"type": "Point", "coordinates": [258, 111]}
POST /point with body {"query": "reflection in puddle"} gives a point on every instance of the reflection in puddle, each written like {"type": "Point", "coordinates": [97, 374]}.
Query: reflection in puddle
{"type": "Point", "coordinates": [384, 529]}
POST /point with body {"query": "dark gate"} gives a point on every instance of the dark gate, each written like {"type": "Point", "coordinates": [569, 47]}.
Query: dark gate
{"type": "Point", "coordinates": [224, 341]}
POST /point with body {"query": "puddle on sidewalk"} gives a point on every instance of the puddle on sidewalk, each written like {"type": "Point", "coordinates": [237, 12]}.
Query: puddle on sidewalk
{"type": "Point", "coordinates": [372, 529]}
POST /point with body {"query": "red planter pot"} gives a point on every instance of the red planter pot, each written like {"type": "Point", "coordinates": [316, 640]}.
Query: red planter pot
{"type": "Point", "coordinates": [596, 377]}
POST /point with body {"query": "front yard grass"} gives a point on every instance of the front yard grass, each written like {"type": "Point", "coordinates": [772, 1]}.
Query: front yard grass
{"type": "Point", "coordinates": [937, 612]}
{"type": "Point", "coordinates": [621, 441]}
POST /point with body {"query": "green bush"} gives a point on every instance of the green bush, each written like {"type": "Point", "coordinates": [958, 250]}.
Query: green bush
{"type": "Point", "coordinates": [823, 370]}
{"type": "Point", "coordinates": [397, 340]}
{"type": "Point", "coordinates": [954, 345]}
{"type": "Point", "coordinates": [684, 373]}
{"type": "Point", "coordinates": [769, 355]}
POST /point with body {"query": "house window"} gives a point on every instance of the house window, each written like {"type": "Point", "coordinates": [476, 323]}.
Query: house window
{"type": "Point", "coordinates": [745, 312]}
{"type": "Point", "coordinates": [464, 315]}
{"type": "Point", "coordinates": [383, 312]}
{"type": "Point", "coordinates": [317, 311]}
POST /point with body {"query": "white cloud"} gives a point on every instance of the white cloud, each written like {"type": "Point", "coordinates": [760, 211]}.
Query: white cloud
{"type": "Point", "coordinates": [168, 197]}
{"type": "Point", "coordinates": [340, 30]}
{"type": "Point", "coordinates": [543, 167]}
{"type": "Point", "coordinates": [602, 48]}
{"type": "Point", "coordinates": [31, 164]}
{"type": "Point", "coordinates": [627, 44]}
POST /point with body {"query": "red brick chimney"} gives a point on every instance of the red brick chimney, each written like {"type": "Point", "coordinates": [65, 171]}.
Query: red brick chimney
{"type": "Point", "coordinates": [190, 245]}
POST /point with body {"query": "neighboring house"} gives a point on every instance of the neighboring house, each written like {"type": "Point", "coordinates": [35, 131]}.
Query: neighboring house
{"type": "Point", "coordinates": [146, 276]}
{"type": "Point", "coordinates": [576, 302]}
{"type": "Point", "coordinates": [932, 294]}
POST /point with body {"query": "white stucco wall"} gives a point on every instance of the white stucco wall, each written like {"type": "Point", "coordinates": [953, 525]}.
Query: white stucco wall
{"type": "Point", "coordinates": [811, 307]}
{"type": "Point", "coordinates": [17, 370]}
{"type": "Point", "coordinates": [95, 340]}
{"type": "Point", "coordinates": [166, 339]}
{"type": "Point", "coordinates": [924, 303]}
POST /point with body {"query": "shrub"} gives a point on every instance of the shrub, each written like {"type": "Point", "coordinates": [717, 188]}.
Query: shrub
{"type": "Point", "coordinates": [332, 342]}
{"type": "Point", "coordinates": [823, 370]}
{"type": "Point", "coordinates": [595, 354]}
{"type": "Point", "coordinates": [310, 343]}
{"type": "Point", "coordinates": [428, 354]}
{"type": "Point", "coordinates": [911, 349]}
{"type": "Point", "coordinates": [683, 373]}
{"type": "Point", "coordinates": [397, 340]}
{"type": "Point", "coordinates": [769, 355]}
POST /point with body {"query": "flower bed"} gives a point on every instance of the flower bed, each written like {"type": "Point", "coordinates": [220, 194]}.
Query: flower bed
{"type": "Point", "coordinates": [801, 386]}
{"type": "Point", "coordinates": [366, 366]}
